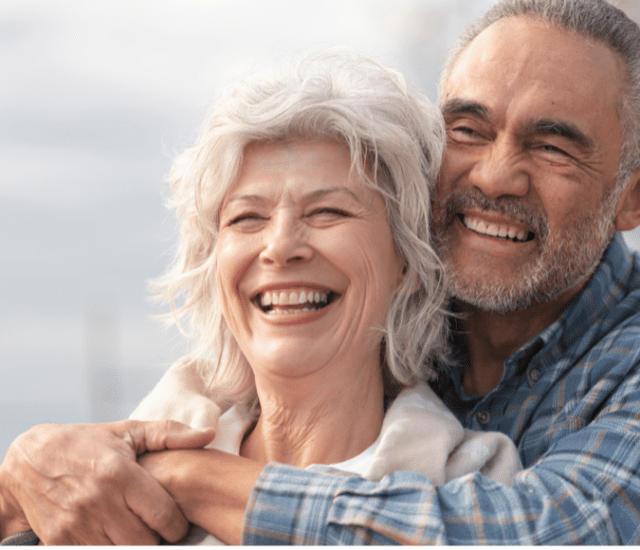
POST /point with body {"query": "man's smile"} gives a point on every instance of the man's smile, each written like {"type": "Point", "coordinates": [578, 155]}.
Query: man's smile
{"type": "Point", "coordinates": [502, 230]}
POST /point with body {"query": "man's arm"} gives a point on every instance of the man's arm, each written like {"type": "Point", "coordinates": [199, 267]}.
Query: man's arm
{"type": "Point", "coordinates": [81, 484]}
{"type": "Point", "coordinates": [585, 489]}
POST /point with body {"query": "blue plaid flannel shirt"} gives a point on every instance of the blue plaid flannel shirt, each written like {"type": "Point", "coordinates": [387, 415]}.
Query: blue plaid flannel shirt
{"type": "Point", "coordinates": [569, 398]}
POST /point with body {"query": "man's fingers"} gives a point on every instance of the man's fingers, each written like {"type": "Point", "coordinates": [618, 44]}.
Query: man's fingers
{"type": "Point", "coordinates": [81, 484]}
{"type": "Point", "coordinates": [161, 435]}
{"type": "Point", "coordinates": [178, 436]}
{"type": "Point", "coordinates": [155, 507]}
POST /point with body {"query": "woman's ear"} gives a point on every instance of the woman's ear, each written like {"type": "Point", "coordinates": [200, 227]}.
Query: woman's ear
{"type": "Point", "coordinates": [628, 211]}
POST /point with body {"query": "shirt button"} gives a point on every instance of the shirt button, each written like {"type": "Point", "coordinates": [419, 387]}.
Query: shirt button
{"type": "Point", "coordinates": [483, 417]}
{"type": "Point", "coordinates": [534, 375]}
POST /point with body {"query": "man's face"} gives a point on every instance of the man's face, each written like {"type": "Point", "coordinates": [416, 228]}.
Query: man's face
{"type": "Point", "coordinates": [523, 210]}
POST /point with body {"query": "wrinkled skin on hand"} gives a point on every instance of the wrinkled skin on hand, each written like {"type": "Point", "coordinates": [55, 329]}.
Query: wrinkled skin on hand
{"type": "Point", "coordinates": [81, 484]}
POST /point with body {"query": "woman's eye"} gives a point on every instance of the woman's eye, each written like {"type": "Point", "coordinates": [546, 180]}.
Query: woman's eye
{"type": "Point", "coordinates": [330, 211]}
{"type": "Point", "coordinates": [245, 218]}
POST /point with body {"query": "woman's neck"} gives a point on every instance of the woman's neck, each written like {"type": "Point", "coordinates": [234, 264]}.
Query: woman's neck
{"type": "Point", "coordinates": [309, 421]}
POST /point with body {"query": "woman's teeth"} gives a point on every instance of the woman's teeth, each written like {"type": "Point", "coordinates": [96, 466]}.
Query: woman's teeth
{"type": "Point", "coordinates": [496, 230]}
{"type": "Point", "coordinates": [309, 299]}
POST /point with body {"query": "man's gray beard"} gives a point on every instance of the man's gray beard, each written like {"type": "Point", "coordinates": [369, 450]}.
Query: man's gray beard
{"type": "Point", "coordinates": [562, 262]}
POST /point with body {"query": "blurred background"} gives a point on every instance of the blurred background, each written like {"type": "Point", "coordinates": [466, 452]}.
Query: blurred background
{"type": "Point", "coordinates": [96, 98]}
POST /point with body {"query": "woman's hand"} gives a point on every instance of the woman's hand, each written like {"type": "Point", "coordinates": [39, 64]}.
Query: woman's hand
{"type": "Point", "coordinates": [81, 484]}
{"type": "Point", "coordinates": [212, 488]}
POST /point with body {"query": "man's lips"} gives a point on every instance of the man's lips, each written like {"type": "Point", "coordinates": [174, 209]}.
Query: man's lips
{"type": "Point", "coordinates": [294, 300]}
{"type": "Point", "coordinates": [500, 230]}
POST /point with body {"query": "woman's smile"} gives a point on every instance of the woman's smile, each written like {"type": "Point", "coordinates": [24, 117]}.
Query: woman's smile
{"type": "Point", "coordinates": [294, 300]}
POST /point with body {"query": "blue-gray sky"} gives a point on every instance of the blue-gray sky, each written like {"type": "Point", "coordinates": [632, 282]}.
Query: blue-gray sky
{"type": "Point", "coordinates": [95, 99]}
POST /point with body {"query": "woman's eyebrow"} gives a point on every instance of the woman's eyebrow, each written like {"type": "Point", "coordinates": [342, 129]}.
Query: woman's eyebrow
{"type": "Point", "coordinates": [248, 197]}
{"type": "Point", "coordinates": [321, 193]}
{"type": "Point", "coordinates": [312, 195]}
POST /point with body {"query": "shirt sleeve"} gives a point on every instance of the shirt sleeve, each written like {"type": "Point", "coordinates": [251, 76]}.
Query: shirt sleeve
{"type": "Point", "coordinates": [584, 490]}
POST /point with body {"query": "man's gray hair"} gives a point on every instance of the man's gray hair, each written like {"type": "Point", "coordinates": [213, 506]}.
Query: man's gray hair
{"type": "Point", "coordinates": [593, 19]}
{"type": "Point", "coordinates": [395, 131]}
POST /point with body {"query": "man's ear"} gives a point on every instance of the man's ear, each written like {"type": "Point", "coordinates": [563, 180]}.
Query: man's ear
{"type": "Point", "coordinates": [628, 212]}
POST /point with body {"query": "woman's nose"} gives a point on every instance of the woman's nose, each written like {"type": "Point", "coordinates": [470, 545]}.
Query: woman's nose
{"type": "Point", "coordinates": [499, 170]}
{"type": "Point", "coordinates": [286, 242]}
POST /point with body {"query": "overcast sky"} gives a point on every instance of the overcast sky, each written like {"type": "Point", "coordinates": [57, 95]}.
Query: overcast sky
{"type": "Point", "coordinates": [96, 98]}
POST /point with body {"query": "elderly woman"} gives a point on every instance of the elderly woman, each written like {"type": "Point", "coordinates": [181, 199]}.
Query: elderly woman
{"type": "Point", "coordinates": [309, 285]}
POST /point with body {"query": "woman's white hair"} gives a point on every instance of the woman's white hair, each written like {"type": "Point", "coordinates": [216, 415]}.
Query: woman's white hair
{"type": "Point", "coordinates": [336, 95]}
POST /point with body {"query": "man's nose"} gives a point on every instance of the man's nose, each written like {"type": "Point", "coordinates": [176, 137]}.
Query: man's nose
{"type": "Point", "coordinates": [286, 241]}
{"type": "Point", "coordinates": [500, 170]}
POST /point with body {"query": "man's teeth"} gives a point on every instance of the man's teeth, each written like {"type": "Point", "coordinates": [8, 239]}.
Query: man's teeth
{"type": "Point", "coordinates": [293, 298]}
{"type": "Point", "coordinates": [494, 229]}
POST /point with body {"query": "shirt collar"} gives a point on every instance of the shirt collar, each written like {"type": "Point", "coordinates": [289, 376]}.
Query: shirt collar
{"type": "Point", "coordinates": [600, 295]}
{"type": "Point", "coordinates": [604, 290]}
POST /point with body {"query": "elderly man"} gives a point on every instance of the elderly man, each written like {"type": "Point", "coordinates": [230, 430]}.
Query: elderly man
{"type": "Point", "coordinates": [542, 104]}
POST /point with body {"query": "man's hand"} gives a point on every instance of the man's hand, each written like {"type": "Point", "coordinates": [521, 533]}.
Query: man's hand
{"type": "Point", "coordinates": [81, 484]}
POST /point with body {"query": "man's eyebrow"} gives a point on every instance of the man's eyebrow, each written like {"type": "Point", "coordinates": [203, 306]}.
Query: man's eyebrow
{"type": "Point", "coordinates": [465, 107]}
{"type": "Point", "coordinates": [561, 129]}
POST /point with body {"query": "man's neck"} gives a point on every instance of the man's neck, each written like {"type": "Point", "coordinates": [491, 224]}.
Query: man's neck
{"type": "Point", "coordinates": [492, 338]}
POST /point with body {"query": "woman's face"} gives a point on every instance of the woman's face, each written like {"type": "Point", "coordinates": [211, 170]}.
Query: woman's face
{"type": "Point", "coordinates": [306, 266]}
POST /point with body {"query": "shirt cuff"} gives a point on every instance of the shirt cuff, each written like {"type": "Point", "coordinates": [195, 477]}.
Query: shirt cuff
{"type": "Point", "coordinates": [289, 506]}
{"type": "Point", "coordinates": [26, 538]}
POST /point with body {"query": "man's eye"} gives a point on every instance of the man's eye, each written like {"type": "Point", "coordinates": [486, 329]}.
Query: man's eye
{"type": "Point", "coordinates": [553, 149]}
{"type": "Point", "coordinates": [465, 130]}
{"type": "Point", "coordinates": [465, 134]}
